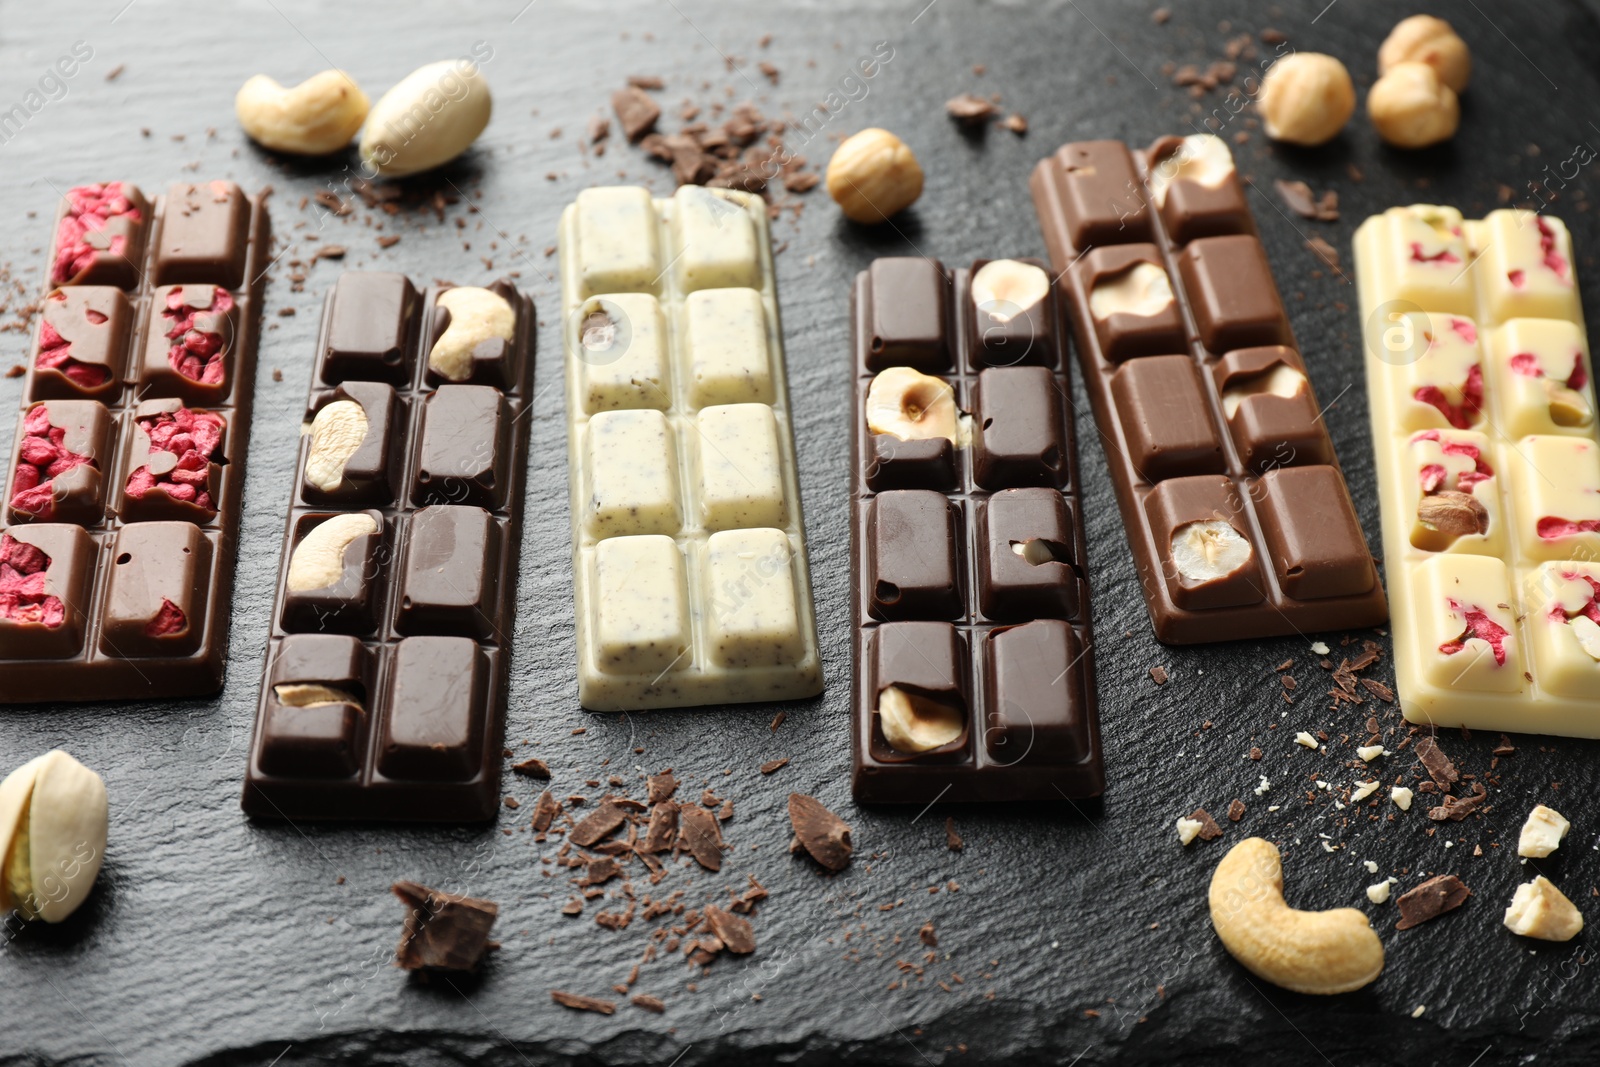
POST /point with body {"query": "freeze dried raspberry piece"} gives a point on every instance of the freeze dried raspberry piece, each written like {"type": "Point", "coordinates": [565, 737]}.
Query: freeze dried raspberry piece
{"type": "Point", "coordinates": [190, 436]}
{"type": "Point", "coordinates": [1552, 528]}
{"type": "Point", "coordinates": [22, 585]}
{"type": "Point", "coordinates": [55, 353]}
{"type": "Point", "coordinates": [1590, 608]}
{"type": "Point", "coordinates": [170, 619]}
{"type": "Point", "coordinates": [89, 209]}
{"type": "Point", "coordinates": [195, 353]}
{"type": "Point", "coordinates": [1463, 414]}
{"type": "Point", "coordinates": [1443, 256]}
{"type": "Point", "coordinates": [41, 458]}
{"type": "Point", "coordinates": [1433, 475]}
{"type": "Point", "coordinates": [1527, 364]}
{"type": "Point", "coordinates": [1479, 625]}
{"type": "Point", "coordinates": [1553, 260]}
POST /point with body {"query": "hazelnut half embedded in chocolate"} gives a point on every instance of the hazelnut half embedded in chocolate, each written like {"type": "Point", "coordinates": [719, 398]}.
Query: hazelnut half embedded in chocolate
{"type": "Point", "coordinates": [1453, 514]}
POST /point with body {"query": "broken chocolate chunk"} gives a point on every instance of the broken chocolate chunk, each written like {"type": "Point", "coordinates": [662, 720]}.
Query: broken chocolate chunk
{"type": "Point", "coordinates": [533, 768]}
{"type": "Point", "coordinates": [699, 832]}
{"type": "Point", "coordinates": [580, 1002]}
{"type": "Point", "coordinates": [820, 832]}
{"type": "Point", "coordinates": [661, 786]}
{"type": "Point", "coordinates": [443, 931]}
{"type": "Point", "coordinates": [1430, 900]}
{"type": "Point", "coordinates": [636, 113]}
{"type": "Point", "coordinates": [1236, 811]}
{"type": "Point", "coordinates": [733, 930]}
{"type": "Point", "coordinates": [663, 828]}
{"type": "Point", "coordinates": [772, 765]}
{"type": "Point", "coordinates": [1209, 830]}
{"type": "Point", "coordinates": [970, 110]}
{"type": "Point", "coordinates": [544, 811]}
{"type": "Point", "coordinates": [1437, 764]}
{"type": "Point", "coordinates": [597, 824]}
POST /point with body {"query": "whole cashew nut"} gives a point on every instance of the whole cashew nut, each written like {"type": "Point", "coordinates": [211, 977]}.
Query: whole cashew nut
{"type": "Point", "coordinates": [53, 821]}
{"type": "Point", "coordinates": [477, 316]}
{"type": "Point", "coordinates": [337, 433]}
{"type": "Point", "coordinates": [318, 559]}
{"type": "Point", "coordinates": [1318, 952]}
{"type": "Point", "coordinates": [314, 118]}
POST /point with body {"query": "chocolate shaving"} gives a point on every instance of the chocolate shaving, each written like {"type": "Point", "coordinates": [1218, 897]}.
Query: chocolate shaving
{"type": "Point", "coordinates": [649, 1003]}
{"type": "Point", "coordinates": [1457, 808]}
{"type": "Point", "coordinates": [1505, 747]}
{"type": "Point", "coordinates": [733, 930]}
{"type": "Point", "coordinates": [532, 768]}
{"type": "Point", "coordinates": [663, 829]}
{"type": "Point", "coordinates": [970, 110]}
{"type": "Point", "coordinates": [579, 1002]}
{"type": "Point", "coordinates": [1298, 197]}
{"type": "Point", "coordinates": [1430, 900]}
{"type": "Point", "coordinates": [1379, 690]}
{"type": "Point", "coordinates": [700, 832]}
{"type": "Point", "coordinates": [661, 786]}
{"type": "Point", "coordinates": [544, 811]}
{"type": "Point", "coordinates": [597, 824]}
{"type": "Point", "coordinates": [777, 721]}
{"type": "Point", "coordinates": [952, 840]}
{"type": "Point", "coordinates": [772, 765]}
{"type": "Point", "coordinates": [1236, 811]}
{"type": "Point", "coordinates": [1209, 830]}
{"type": "Point", "coordinates": [820, 832]}
{"type": "Point", "coordinates": [646, 81]}
{"type": "Point", "coordinates": [1325, 252]}
{"type": "Point", "coordinates": [443, 931]}
{"type": "Point", "coordinates": [1437, 764]}
{"type": "Point", "coordinates": [637, 114]}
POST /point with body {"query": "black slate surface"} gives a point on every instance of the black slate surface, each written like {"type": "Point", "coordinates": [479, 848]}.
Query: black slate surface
{"type": "Point", "coordinates": [1079, 932]}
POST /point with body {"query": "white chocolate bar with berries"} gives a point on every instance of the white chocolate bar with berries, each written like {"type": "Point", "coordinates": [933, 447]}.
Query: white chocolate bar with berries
{"type": "Point", "coordinates": [1484, 429]}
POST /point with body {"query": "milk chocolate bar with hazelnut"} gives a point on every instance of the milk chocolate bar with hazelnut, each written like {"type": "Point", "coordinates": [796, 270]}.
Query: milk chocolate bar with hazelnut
{"type": "Point", "coordinates": [1483, 422]}
{"type": "Point", "coordinates": [972, 640]}
{"type": "Point", "coordinates": [387, 664]}
{"type": "Point", "coordinates": [119, 526]}
{"type": "Point", "coordinates": [1235, 507]}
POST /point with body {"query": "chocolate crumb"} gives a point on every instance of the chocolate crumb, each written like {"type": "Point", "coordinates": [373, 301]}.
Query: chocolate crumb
{"type": "Point", "coordinates": [820, 832]}
{"type": "Point", "coordinates": [17, 370]}
{"type": "Point", "coordinates": [1430, 900]}
{"type": "Point", "coordinates": [532, 768]}
{"type": "Point", "coordinates": [777, 721]}
{"type": "Point", "coordinates": [1457, 808]}
{"type": "Point", "coordinates": [389, 240]}
{"type": "Point", "coordinates": [115, 72]}
{"type": "Point", "coordinates": [1158, 675]}
{"type": "Point", "coordinates": [698, 829]}
{"type": "Point", "coordinates": [952, 840]}
{"type": "Point", "coordinates": [773, 764]}
{"type": "Point", "coordinates": [1160, 16]}
{"type": "Point", "coordinates": [597, 824]}
{"type": "Point", "coordinates": [1272, 36]}
{"type": "Point", "coordinates": [1505, 747]}
{"type": "Point", "coordinates": [572, 907]}
{"type": "Point", "coordinates": [443, 931]}
{"type": "Point", "coordinates": [579, 1002]}
{"type": "Point", "coordinates": [1209, 830]}
{"type": "Point", "coordinates": [1015, 123]}
{"type": "Point", "coordinates": [969, 110]}
{"type": "Point", "coordinates": [1255, 754]}
{"type": "Point", "coordinates": [649, 1003]}
{"type": "Point", "coordinates": [277, 375]}
{"type": "Point", "coordinates": [544, 811]}
{"type": "Point", "coordinates": [1325, 252]}
{"type": "Point", "coordinates": [926, 935]}
{"type": "Point", "coordinates": [646, 81]}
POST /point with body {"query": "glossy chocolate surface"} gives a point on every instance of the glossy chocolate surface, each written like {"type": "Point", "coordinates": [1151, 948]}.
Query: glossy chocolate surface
{"type": "Point", "coordinates": [969, 559]}
{"type": "Point", "coordinates": [384, 690]}
{"type": "Point", "coordinates": [121, 511]}
{"type": "Point", "coordinates": [1203, 402]}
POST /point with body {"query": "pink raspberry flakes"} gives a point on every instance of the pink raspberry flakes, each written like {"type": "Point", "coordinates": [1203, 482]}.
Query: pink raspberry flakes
{"type": "Point", "coordinates": [1443, 256]}
{"type": "Point", "coordinates": [169, 620]}
{"type": "Point", "coordinates": [41, 458]}
{"type": "Point", "coordinates": [1482, 627]}
{"type": "Point", "coordinates": [1527, 365]}
{"type": "Point", "coordinates": [1465, 330]}
{"type": "Point", "coordinates": [1461, 415]}
{"type": "Point", "coordinates": [1553, 260]}
{"type": "Point", "coordinates": [1433, 475]}
{"type": "Point", "coordinates": [89, 208]}
{"type": "Point", "coordinates": [55, 353]}
{"type": "Point", "coordinates": [195, 354]}
{"type": "Point", "coordinates": [1551, 528]}
{"type": "Point", "coordinates": [1591, 607]}
{"type": "Point", "coordinates": [22, 595]}
{"type": "Point", "coordinates": [192, 436]}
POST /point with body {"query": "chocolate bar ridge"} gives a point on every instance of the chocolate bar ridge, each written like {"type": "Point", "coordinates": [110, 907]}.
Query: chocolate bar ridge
{"type": "Point", "coordinates": [120, 522]}
{"type": "Point", "coordinates": [1211, 425]}
{"type": "Point", "coordinates": [945, 605]}
{"type": "Point", "coordinates": [384, 692]}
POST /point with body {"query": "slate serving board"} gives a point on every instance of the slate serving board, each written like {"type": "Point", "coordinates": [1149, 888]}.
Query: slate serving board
{"type": "Point", "coordinates": [1078, 931]}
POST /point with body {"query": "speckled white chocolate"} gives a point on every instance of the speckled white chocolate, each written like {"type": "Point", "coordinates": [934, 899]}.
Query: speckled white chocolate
{"type": "Point", "coordinates": [1489, 630]}
{"type": "Point", "coordinates": [691, 583]}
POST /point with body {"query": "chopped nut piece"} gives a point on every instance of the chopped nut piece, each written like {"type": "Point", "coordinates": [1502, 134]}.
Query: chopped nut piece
{"type": "Point", "coordinates": [1541, 910]}
{"type": "Point", "coordinates": [1401, 797]}
{"type": "Point", "coordinates": [1542, 832]}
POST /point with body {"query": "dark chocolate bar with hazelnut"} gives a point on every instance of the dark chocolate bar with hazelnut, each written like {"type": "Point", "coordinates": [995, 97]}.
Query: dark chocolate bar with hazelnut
{"type": "Point", "coordinates": [120, 521]}
{"type": "Point", "coordinates": [387, 664]}
{"type": "Point", "coordinates": [1236, 510]}
{"type": "Point", "coordinates": [972, 639]}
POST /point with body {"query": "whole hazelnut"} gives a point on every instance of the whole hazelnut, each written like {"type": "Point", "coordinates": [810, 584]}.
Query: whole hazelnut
{"type": "Point", "coordinates": [1411, 108]}
{"type": "Point", "coordinates": [873, 175]}
{"type": "Point", "coordinates": [1306, 98]}
{"type": "Point", "coordinates": [1430, 40]}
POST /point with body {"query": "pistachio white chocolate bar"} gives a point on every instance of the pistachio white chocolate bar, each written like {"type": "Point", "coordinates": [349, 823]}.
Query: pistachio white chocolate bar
{"type": "Point", "coordinates": [1483, 422]}
{"type": "Point", "coordinates": [689, 560]}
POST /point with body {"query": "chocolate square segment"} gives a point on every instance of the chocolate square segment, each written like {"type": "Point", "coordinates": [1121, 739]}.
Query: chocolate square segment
{"type": "Point", "coordinates": [914, 556]}
{"type": "Point", "coordinates": [81, 350]}
{"type": "Point", "coordinates": [907, 315]}
{"type": "Point", "coordinates": [1004, 332]}
{"type": "Point", "coordinates": [1196, 201]}
{"type": "Point", "coordinates": [189, 347]}
{"type": "Point", "coordinates": [350, 603]}
{"type": "Point", "coordinates": [156, 602]}
{"type": "Point", "coordinates": [205, 236]}
{"type": "Point", "coordinates": [493, 358]}
{"type": "Point", "coordinates": [57, 473]}
{"type": "Point", "coordinates": [1271, 412]}
{"type": "Point", "coordinates": [1204, 506]}
{"type": "Point", "coordinates": [1166, 418]}
{"type": "Point", "coordinates": [370, 331]}
{"type": "Point", "coordinates": [896, 464]}
{"type": "Point", "coordinates": [1124, 294]}
{"type": "Point", "coordinates": [46, 582]}
{"type": "Point", "coordinates": [1018, 429]}
{"type": "Point", "coordinates": [1312, 533]}
{"type": "Point", "coordinates": [1028, 562]}
{"type": "Point", "coordinates": [1231, 293]}
{"type": "Point", "coordinates": [176, 460]}
{"type": "Point", "coordinates": [371, 474]}
{"type": "Point", "coordinates": [315, 720]}
{"type": "Point", "coordinates": [450, 583]}
{"type": "Point", "coordinates": [431, 730]}
{"type": "Point", "coordinates": [1100, 194]}
{"type": "Point", "coordinates": [1036, 694]}
{"type": "Point", "coordinates": [462, 457]}
{"type": "Point", "coordinates": [100, 236]}
{"type": "Point", "coordinates": [926, 660]}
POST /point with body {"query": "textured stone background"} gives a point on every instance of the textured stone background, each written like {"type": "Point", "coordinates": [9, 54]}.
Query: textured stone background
{"type": "Point", "coordinates": [211, 940]}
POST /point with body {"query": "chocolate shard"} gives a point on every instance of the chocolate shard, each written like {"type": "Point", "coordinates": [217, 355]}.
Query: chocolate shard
{"type": "Point", "coordinates": [733, 930]}
{"type": "Point", "coordinates": [1431, 899]}
{"type": "Point", "coordinates": [773, 765]}
{"type": "Point", "coordinates": [649, 1003]}
{"type": "Point", "coordinates": [661, 786]}
{"type": "Point", "coordinates": [544, 811]}
{"type": "Point", "coordinates": [1296, 196]}
{"type": "Point", "coordinates": [701, 835]}
{"type": "Point", "coordinates": [1437, 764]}
{"type": "Point", "coordinates": [579, 1002]}
{"type": "Point", "coordinates": [1209, 830]}
{"type": "Point", "coordinates": [970, 110]}
{"type": "Point", "coordinates": [1457, 808]}
{"type": "Point", "coordinates": [532, 768]}
{"type": "Point", "coordinates": [597, 824]}
{"type": "Point", "coordinates": [926, 935]}
{"type": "Point", "coordinates": [952, 840]}
{"type": "Point", "coordinates": [663, 828]}
{"type": "Point", "coordinates": [636, 112]}
{"type": "Point", "coordinates": [443, 931]}
{"type": "Point", "coordinates": [820, 832]}
{"type": "Point", "coordinates": [600, 871]}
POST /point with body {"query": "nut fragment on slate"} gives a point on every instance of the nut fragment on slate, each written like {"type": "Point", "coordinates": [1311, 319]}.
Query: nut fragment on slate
{"type": "Point", "coordinates": [1431, 40]}
{"type": "Point", "coordinates": [443, 931]}
{"type": "Point", "coordinates": [1542, 832]}
{"type": "Point", "coordinates": [1306, 98]}
{"type": "Point", "coordinates": [1411, 108]}
{"type": "Point", "coordinates": [579, 1002]}
{"type": "Point", "coordinates": [337, 432]}
{"type": "Point", "coordinates": [314, 118]}
{"type": "Point", "coordinates": [873, 175]}
{"type": "Point", "coordinates": [1540, 910]}
{"type": "Point", "coordinates": [820, 832]}
{"type": "Point", "coordinates": [452, 96]}
{"type": "Point", "coordinates": [476, 317]}
{"type": "Point", "coordinates": [1431, 899]}
{"type": "Point", "coordinates": [53, 821]}
{"type": "Point", "coordinates": [913, 723]}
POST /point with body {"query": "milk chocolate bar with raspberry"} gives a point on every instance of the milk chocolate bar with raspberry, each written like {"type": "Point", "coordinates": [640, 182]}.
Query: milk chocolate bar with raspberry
{"type": "Point", "coordinates": [119, 525]}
